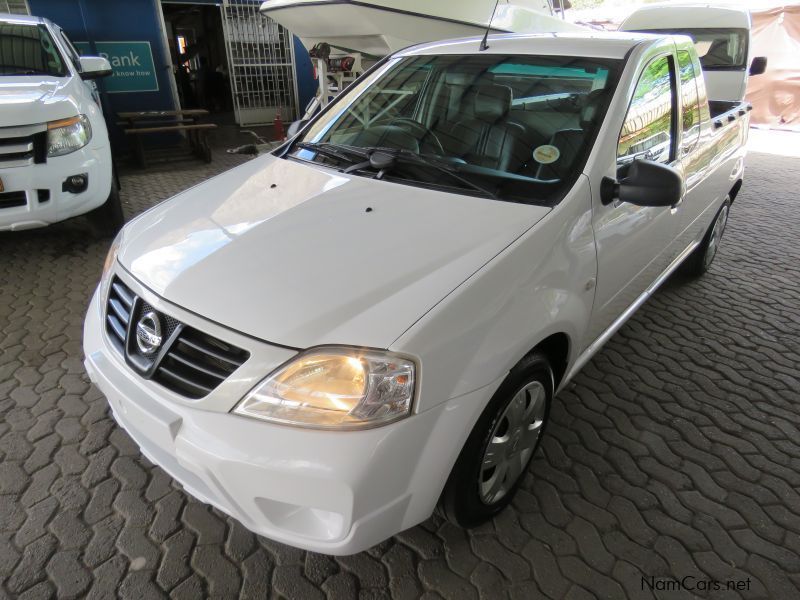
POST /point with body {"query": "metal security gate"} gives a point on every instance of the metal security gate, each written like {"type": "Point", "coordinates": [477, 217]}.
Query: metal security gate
{"type": "Point", "coordinates": [261, 64]}
{"type": "Point", "coordinates": [17, 7]}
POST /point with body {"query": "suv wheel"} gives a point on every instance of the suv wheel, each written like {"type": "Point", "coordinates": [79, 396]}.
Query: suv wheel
{"type": "Point", "coordinates": [108, 218]}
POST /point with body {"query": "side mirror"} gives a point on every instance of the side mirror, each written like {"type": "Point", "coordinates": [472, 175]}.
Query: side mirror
{"type": "Point", "coordinates": [758, 66]}
{"type": "Point", "coordinates": [648, 184]}
{"type": "Point", "coordinates": [93, 67]}
{"type": "Point", "coordinates": [295, 127]}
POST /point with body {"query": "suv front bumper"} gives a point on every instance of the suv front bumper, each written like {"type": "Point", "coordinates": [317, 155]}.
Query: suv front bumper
{"type": "Point", "coordinates": [33, 179]}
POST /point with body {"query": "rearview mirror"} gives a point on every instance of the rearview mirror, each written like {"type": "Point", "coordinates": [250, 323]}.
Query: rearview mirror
{"type": "Point", "coordinates": [295, 127]}
{"type": "Point", "coordinates": [759, 65]}
{"type": "Point", "coordinates": [647, 183]}
{"type": "Point", "coordinates": [93, 67]}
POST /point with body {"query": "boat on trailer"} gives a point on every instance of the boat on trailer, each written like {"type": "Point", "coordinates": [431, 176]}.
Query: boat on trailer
{"type": "Point", "coordinates": [379, 27]}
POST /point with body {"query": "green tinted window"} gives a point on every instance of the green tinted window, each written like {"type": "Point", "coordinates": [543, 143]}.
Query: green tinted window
{"type": "Point", "coordinates": [690, 117]}
{"type": "Point", "coordinates": [647, 132]}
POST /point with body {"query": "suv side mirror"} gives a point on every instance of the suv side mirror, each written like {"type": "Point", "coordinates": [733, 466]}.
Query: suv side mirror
{"type": "Point", "coordinates": [93, 67]}
{"type": "Point", "coordinates": [758, 66]}
{"type": "Point", "coordinates": [648, 184]}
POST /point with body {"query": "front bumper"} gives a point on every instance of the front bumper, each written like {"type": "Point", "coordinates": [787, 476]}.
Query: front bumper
{"type": "Point", "coordinates": [328, 492]}
{"type": "Point", "coordinates": [46, 203]}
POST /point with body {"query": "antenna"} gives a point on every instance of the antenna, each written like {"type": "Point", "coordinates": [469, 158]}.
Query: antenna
{"type": "Point", "coordinates": [484, 45]}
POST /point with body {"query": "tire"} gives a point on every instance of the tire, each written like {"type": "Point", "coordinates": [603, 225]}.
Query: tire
{"type": "Point", "coordinates": [108, 218]}
{"type": "Point", "coordinates": [700, 260]}
{"type": "Point", "coordinates": [475, 493]}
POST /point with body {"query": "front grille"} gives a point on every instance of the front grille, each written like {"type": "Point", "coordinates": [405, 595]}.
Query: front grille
{"type": "Point", "coordinates": [118, 313]}
{"type": "Point", "coordinates": [197, 363]}
{"type": "Point", "coordinates": [190, 363]}
{"type": "Point", "coordinates": [12, 199]}
{"type": "Point", "coordinates": [23, 145]}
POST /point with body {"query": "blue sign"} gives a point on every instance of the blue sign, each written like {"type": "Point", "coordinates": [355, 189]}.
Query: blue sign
{"type": "Point", "coordinates": [132, 64]}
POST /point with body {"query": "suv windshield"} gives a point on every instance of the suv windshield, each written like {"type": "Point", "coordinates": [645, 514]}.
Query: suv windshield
{"type": "Point", "coordinates": [28, 49]}
{"type": "Point", "coordinates": [513, 128]}
{"type": "Point", "coordinates": [719, 49]}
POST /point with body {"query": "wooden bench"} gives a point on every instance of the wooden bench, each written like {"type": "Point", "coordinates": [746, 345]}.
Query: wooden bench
{"type": "Point", "coordinates": [140, 124]}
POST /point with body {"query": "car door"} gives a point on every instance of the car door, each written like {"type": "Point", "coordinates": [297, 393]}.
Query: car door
{"type": "Point", "coordinates": [635, 243]}
{"type": "Point", "coordinates": [697, 149]}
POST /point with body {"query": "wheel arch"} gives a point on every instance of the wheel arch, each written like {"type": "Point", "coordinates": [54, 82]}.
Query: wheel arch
{"type": "Point", "coordinates": [556, 347]}
{"type": "Point", "coordinates": [735, 190]}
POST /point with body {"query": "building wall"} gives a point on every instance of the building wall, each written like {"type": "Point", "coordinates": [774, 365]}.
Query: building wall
{"type": "Point", "coordinates": [101, 21]}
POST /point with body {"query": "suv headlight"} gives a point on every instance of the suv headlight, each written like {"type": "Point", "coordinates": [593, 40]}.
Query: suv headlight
{"type": "Point", "coordinates": [68, 135]}
{"type": "Point", "coordinates": [334, 388]}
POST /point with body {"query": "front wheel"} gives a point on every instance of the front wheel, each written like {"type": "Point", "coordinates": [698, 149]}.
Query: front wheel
{"type": "Point", "coordinates": [108, 218]}
{"type": "Point", "coordinates": [700, 260]}
{"type": "Point", "coordinates": [496, 456]}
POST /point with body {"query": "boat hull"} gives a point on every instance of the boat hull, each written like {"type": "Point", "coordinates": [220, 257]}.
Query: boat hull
{"type": "Point", "coordinates": [383, 27]}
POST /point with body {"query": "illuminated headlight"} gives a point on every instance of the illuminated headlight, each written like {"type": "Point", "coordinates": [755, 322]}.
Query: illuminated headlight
{"type": "Point", "coordinates": [68, 135]}
{"type": "Point", "coordinates": [335, 388]}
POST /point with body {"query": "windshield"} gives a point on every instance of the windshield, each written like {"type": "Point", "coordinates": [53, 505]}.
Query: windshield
{"type": "Point", "coordinates": [719, 49]}
{"type": "Point", "coordinates": [28, 49]}
{"type": "Point", "coordinates": [509, 127]}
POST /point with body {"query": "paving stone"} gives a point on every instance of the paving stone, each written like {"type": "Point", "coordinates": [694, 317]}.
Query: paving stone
{"type": "Point", "coordinates": [674, 452]}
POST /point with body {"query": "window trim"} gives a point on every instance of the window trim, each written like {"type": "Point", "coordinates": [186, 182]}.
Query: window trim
{"type": "Point", "coordinates": [672, 60]}
{"type": "Point", "coordinates": [687, 148]}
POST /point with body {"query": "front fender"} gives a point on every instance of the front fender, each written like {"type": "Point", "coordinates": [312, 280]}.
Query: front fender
{"type": "Point", "coordinates": [540, 285]}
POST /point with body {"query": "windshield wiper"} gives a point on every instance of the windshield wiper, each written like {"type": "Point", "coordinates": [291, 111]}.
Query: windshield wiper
{"type": "Point", "coordinates": [343, 153]}
{"type": "Point", "coordinates": [394, 155]}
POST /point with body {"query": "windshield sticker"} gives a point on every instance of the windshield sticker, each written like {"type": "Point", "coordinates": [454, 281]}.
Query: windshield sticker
{"type": "Point", "coordinates": [546, 155]}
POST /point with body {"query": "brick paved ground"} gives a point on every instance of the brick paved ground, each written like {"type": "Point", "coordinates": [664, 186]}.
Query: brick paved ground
{"type": "Point", "coordinates": [676, 452]}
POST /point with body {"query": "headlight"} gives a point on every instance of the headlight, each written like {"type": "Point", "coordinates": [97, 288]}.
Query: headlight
{"type": "Point", "coordinates": [68, 135]}
{"type": "Point", "coordinates": [335, 388]}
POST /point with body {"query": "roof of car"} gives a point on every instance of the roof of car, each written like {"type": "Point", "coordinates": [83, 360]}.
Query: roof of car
{"type": "Point", "coordinates": [9, 18]}
{"type": "Point", "coordinates": [599, 44]}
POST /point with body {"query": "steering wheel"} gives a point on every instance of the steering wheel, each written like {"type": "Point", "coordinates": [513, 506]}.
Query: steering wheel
{"type": "Point", "coordinates": [426, 137]}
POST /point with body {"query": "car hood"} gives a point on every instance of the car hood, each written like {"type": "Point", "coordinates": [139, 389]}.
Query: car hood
{"type": "Point", "coordinates": [29, 100]}
{"type": "Point", "coordinates": [301, 255]}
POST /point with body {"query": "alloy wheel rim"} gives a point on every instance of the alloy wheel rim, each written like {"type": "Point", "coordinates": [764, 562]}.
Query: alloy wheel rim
{"type": "Point", "coordinates": [716, 235]}
{"type": "Point", "coordinates": [512, 442]}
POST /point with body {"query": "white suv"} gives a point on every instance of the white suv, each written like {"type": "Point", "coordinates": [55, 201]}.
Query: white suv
{"type": "Point", "coordinates": [55, 156]}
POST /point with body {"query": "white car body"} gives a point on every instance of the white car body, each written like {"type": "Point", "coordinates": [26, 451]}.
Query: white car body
{"type": "Point", "coordinates": [675, 17]}
{"type": "Point", "coordinates": [278, 255]}
{"type": "Point", "coordinates": [27, 104]}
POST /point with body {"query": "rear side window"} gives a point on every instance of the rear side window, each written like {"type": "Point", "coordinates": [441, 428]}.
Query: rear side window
{"type": "Point", "coordinates": [690, 101]}
{"type": "Point", "coordinates": [648, 128]}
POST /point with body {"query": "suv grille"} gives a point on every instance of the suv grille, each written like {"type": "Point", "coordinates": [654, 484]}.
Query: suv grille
{"type": "Point", "coordinates": [24, 145]}
{"type": "Point", "coordinates": [186, 361]}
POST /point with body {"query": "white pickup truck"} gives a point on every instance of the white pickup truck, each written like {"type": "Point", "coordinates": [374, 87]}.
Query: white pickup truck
{"type": "Point", "coordinates": [330, 340]}
{"type": "Point", "coordinates": [55, 155]}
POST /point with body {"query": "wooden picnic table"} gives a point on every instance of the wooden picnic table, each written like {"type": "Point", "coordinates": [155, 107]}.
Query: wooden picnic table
{"type": "Point", "coordinates": [141, 123]}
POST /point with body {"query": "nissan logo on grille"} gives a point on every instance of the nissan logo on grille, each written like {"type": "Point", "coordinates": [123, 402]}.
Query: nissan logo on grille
{"type": "Point", "coordinates": [148, 334]}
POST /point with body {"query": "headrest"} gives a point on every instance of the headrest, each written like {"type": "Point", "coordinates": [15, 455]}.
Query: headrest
{"type": "Point", "coordinates": [590, 107]}
{"type": "Point", "coordinates": [491, 102]}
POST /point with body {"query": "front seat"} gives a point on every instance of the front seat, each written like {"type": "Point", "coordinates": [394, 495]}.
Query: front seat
{"type": "Point", "coordinates": [570, 142]}
{"type": "Point", "coordinates": [486, 137]}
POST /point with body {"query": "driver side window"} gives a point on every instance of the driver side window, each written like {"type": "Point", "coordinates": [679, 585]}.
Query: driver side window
{"type": "Point", "coordinates": [648, 131]}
